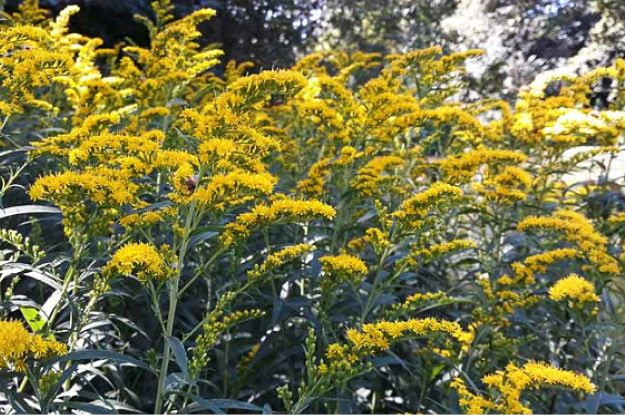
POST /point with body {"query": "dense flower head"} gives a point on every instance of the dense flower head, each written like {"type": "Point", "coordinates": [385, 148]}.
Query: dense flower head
{"type": "Point", "coordinates": [437, 250]}
{"type": "Point", "coordinates": [279, 258]}
{"type": "Point", "coordinates": [575, 289]}
{"type": "Point", "coordinates": [378, 336]}
{"type": "Point", "coordinates": [342, 268]}
{"type": "Point", "coordinates": [17, 345]}
{"type": "Point", "coordinates": [231, 189]}
{"type": "Point", "coordinates": [141, 260]}
{"type": "Point", "coordinates": [573, 227]}
{"type": "Point", "coordinates": [464, 166]}
{"type": "Point", "coordinates": [370, 178]}
{"type": "Point", "coordinates": [143, 219]}
{"type": "Point", "coordinates": [512, 381]}
{"type": "Point", "coordinates": [413, 301]}
{"type": "Point", "coordinates": [283, 210]}
{"type": "Point", "coordinates": [420, 204]}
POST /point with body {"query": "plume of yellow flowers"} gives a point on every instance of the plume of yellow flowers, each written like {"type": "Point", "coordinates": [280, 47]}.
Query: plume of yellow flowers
{"type": "Point", "coordinates": [464, 167]}
{"type": "Point", "coordinates": [141, 260]}
{"type": "Point", "coordinates": [513, 381]}
{"type": "Point", "coordinates": [278, 259]}
{"type": "Point", "coordinates": [419, 205]}
{"type": "Point", "coordinates": [17, 345]}
{"type": "Point", "coordinates": [283, 210]}
{"type": "Point", "coordinates": [370, 179]}
{"type": "Point", "coordinates": [574, 288]}
{"type": "Point", "coordinates": [378, 336]}
{"type": "Point", "coordinates": [573, 227]}
{"type": "Point", "coordinates": [342, 268]}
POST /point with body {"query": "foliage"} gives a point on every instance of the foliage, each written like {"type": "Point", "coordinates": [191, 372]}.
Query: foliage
{"type": "Point", "coordinates": [348, 235]}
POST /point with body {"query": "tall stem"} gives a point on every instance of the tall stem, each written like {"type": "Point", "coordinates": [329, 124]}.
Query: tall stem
{"type": "Point", "coordinates": [69, 277]}
{"type": "Point", "coordinates": [173, 303]}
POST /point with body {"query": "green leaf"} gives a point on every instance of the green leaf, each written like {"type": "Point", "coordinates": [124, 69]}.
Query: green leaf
{"type": "Point", "coordinates": [89, 408]}
{"type": "Point", "coordinates": [35, 319]}
{"type": "Point", "coordinates": [54, 390]}
{"type": "Point", "coordinates": [232, 404]}
{"type": "Point", "coordinates": [181, 356]}
{"type": "Point", "coordinates": [200, 403]}
{"type": "Point", "coordinates": [101, 354]}
{"type": "Point", "coordinates": [27, 210]}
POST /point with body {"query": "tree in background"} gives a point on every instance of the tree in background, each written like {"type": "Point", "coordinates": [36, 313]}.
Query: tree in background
{"type": "Point", "coordinates": [384, 25]}
{"type": "Point", "coordinates": [526, 37]}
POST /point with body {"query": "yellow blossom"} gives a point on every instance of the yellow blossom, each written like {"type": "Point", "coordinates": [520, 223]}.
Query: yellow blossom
{"type": "Point", "coordinates": [17, 344]}
{"type": "Point", "coordinates": [573, 288]}
{"type": "Point", "coordinates": [140, 259]}
{"type": "Point", "coordinates": [342, 268]}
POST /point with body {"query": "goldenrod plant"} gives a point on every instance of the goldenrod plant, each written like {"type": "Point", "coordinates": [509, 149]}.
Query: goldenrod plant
{"type": "Point", "coordinates": [354, 234]}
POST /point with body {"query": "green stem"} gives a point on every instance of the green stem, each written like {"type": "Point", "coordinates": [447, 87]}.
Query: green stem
{"type": "Point", "coordinates": [69, 277]}
{"type": "Point", "coordinates": [173, 302]}
{"type": "Point", "coordinates": [372, 294]}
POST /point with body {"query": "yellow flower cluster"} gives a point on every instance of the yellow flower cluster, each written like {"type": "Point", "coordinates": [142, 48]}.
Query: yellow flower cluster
{"type": "Point", "coordinates": [418, 206]}
{"type": "Point", "coordinates": [573, 227]}
{"type": "Point", "coordinates": [345, 360]}
{"type": "Point", "coordinates": [575, 289]}
{"type": "Point", "coordinates": [17, 345]}
{"type": "Point", "coordinates": [99, 188]}
{"type": "Point", "coordinates": [464, 167]}
{"type": "Point", "coordinates": [370, 180]}
{"type": "Point", "coordinates": [418, 299]}
{"type": "Point", "coordinates": [512, 382]}
{"type": "Point", "coordinates": [342, 268]}
{"type": "Point", "coordinates": [141, 260]}
{"type": "Point", "coordinates": [283, 210]}
{"type": "Point", "coordinates": [573, 126]}
{"type": "Point", "coordinates": [234, 188]}
{"type": "Point", "coordinates": [278, 259]}
{"type": "Point", "coordinates": [539, 263]}
{"type": "Point", "coordinates": [374, 237]}
{"type": "Point", "coordinates": [144, 219]}
{"type": "Point", "coordinates": [436, 250]}
{"type": "Point", "coordinates": [378, 336]}
{"type": "Point", "coordinates": [510, 185]}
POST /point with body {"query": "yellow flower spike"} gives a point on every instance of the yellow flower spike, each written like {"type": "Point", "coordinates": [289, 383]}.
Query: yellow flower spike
{"type": "Point", "coordinates": [17, 344]}
{"type": "Point", "coordinates": [370, 179]}
{"type": "Point", "coordinates": [342, 268]}
{"type": "Point", "coordinates": [144, 219]}
{"type": "Point", "coordinates": [140, 259]}
{"type": "Point", "coordinates": [420, 205]}
{"type": "Point", "coordinates": [513, 381]}
{"type": "Point", "coordinates": [104, 189]}
{"type": "Point", "coordinates": [575, 228]}
{"type": "Point", "coordinates": [575, 289]}
{"type": "Point", "coordinates": [249, 90]}
{"type": "Point", "coordinates": [278, 259]}
{"type": "Point", "coordinates": [465, 166]}
{"type": "Point", "coordinates": [378, 336]}
{"type": "Point", "coordinates": [282, 210]}
{"type": "Point", "coordinates": [336, 351]}
{"type": "Point", "coordinates": [232, 188]}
